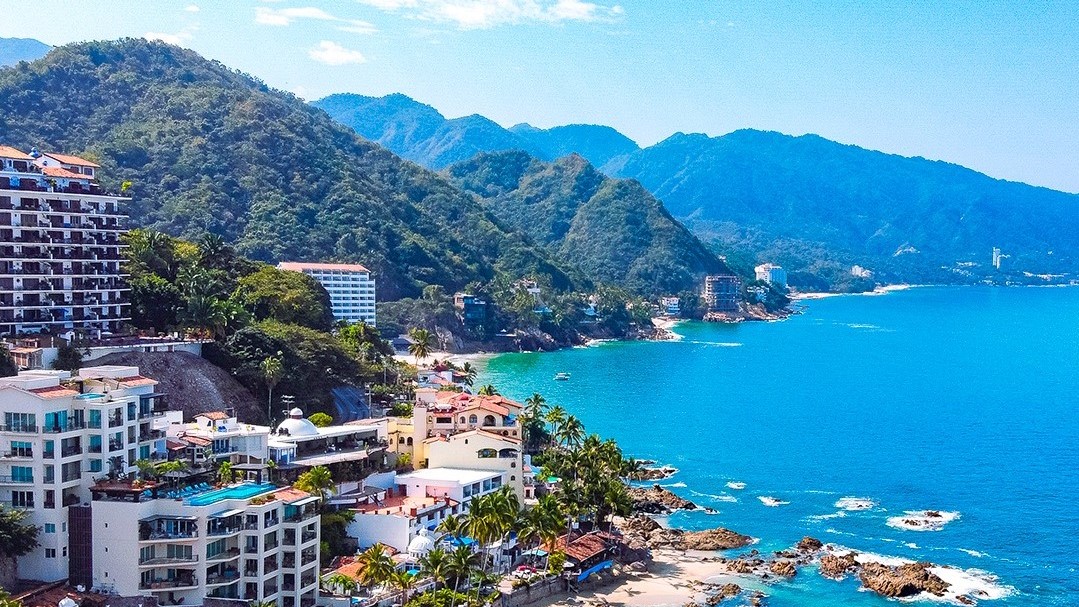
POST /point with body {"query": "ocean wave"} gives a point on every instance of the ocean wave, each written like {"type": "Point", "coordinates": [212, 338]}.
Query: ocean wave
{"type": "Point", "coordinates": [736, 485]}
{"type": "Point", "coordinates": [722, 497]}
{"type": "Point", "coordinates": [677, 485]}
{"type": "Point", "coordinates": [718, 344]}
{"type": "Point", "coordinates": [825, 517]}
{"type": "Point", "coordinates": [854, 504]}
{"type": "Point", "coordinates": [974, 583]}
{"type": "Point", "coordinates": [973, 553]}
{"type": "Point", "coordinates": [771, 501]}
{"type": "Point", "coordinates": [911, 545]}
{"type": "Point", "coordinates": [922, 520]}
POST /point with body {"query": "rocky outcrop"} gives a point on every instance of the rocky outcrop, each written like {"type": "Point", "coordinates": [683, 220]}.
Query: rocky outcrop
{"type": "Point", "coordinates": [657, 500]}
{"type": "Point", "coordinates": [783, 568]}
{"type": "Point", "coordinates": [901, 581]}
{"type": "Point", "coordinates": [837, 567]}
{"type": "Point", "coordinates": [654, 473]}
{"type": "Point", "coordinates": [643, 531]}
{"type": "Point", "coordinates": [808, 544]}
{"type": "Point", "coordinates": [723, 593]}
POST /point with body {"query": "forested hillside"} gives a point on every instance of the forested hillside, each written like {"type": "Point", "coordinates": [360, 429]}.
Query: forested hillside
{"type": "Point", "coordinates": [614, 230]}
{"type": "Point", "coordinates": [209, 149]}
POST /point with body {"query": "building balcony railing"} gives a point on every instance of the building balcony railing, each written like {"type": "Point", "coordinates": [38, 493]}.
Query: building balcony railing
{"type": "Point", "coordinates": [116, 421]}
{"type": "Point", "coordinates": [20, 428]}
{"type": "Point", "coordinates": [169, 584]}
{"type": "Point", "coordinates": [116, 446]}
{"type": "Point", "coordinates": [224, 555]}
{"type": "Point", "coordinates": [71, 450]}
{"type": "Point", "coordinates": [72, 476]}
{"type": "Point", "coordinates": [27, 505]}
{"type": "Point", "coordinates": [16, 480]}
{"type": "Point", "coordinates": [169, 560]}
{"type": "Point", "coordinates": [94, 448]}
{"type": "Point", "coordinates": [223, 531]}
{"type": "Point", "coordinates": [19, 453]}
{"type": "Point", "coordinates": [307, 536]}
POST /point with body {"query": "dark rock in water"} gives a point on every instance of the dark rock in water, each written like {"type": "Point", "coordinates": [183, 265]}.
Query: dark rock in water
{"type": "Point", "coordinates": [902, 581]}
{"type": "Point", "coordinates": [809, 544]}
{"type": "Point", "coordinates": [640, 531]}
{"type": "Point", "coordinates": [654, 473]}
{"type": "Point", "coordinates": [657, 500]}
{"type": "Point", "coordinates": [783, 568]}
{"type": "Point", "coordinates": [714, 539]}
{"type": "Point", "coordinates": [723, 593]}
{"type": "Point", "coordinates": [837, 567]}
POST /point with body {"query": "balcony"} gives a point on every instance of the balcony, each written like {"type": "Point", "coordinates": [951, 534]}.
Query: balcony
{"type": "Point", "coordinates": [61, 428]}
{"type": "Point", "coordinates": [308, 536]}
{"type": "Point", "coordinates": [20, 428]}
{"type": "Point", "coordinates": [94, 448]}
{"type": "Point", "coordinates": [190, 582]}
{"type": "Point", "coordinates": [73, 475]}
{"type": "Point", "coordinates": [168, 560]}
{"type": "Point", "coordinates": [116, 445]}
{"type": "Point", "coordinates": [224, 555]}
{"type": "Point", "coordinates": [16, 480]}
{"type": "Point", "coordinates": [219, 531]}
{"type": "Point", "coordinates": [19, 453]}
{"type": "Point", "coordinates": [70, 450]}
{"type": "Point", "coordinates": [116, 421]}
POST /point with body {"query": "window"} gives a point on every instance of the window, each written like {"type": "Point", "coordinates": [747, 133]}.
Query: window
{"type": "Point", "coordinates": [21, 422]}
{"type": "Point", "coordinates": [22, 474]}
{"type": "Point", "coordinates": [50, 553]}
{"type": "Point", "coordinates": [472, 419]}
{"type": "Point", "coordinates": [50, 527]}
{"type": "Point", "coordinates": [22, 449]}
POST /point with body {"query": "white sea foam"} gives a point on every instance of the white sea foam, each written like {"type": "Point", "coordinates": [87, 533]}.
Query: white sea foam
{"type": "Point", "coordinates": [922, 520]}
{"type": "Point", "coordinates": [975, 583]}
{"type": "Point", "coordinates": [854, 504]}
{"type": "Point", "coordinates": [771, 501]}
{"type": "Point", "coordinates": [721, 497]}
{"type": "Point", "coordinates": [973, 553]}
{"type": "Point", "coordinates": [718, 344]}
{"type": "Point", "coordinates": [677, 485]}
{"type": "Point", "coordinates": [911, 545]}
{"type": "Point", "coordinates": [736, 485]}
{"type": "Point", "coordinates": [825, 517]}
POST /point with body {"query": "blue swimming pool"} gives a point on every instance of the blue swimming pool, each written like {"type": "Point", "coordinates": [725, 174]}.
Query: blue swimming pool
{"type": "Point", "coordinates": [243, 491]}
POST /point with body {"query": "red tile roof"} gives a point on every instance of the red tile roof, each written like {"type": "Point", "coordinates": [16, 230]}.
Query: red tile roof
{"type": "Point", "coordinates": [290, 494]}
{"type": "Point", "coordinates": [68, 159]}
{"type": "Point", "coordinates": [62, 173]}
{"type": "Point", "coordinates": [198, 441]}
{"type": "Point", "coordinates": [586, 546]}
{"type": "Point", "coordinates": [300, 266]}
{"type": "Point", "coordinates": [217, 416]}
{"type": "Point", "coordinates": [10, 152]}
{"type": "Point", "coordinates": [137, 380]}
{"type": "Point", "coordinates": [54, 392]}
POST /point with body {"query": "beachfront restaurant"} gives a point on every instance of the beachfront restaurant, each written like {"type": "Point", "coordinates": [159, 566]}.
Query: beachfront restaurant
{"type": "Point", "coordinates": [589, 553]}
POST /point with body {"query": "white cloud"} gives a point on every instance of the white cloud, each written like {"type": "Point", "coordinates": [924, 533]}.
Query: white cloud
{"type": "Point", "coordinates": [285, 16]}
{"type": "Point", "coordinates": [332, 53]}
{"type": "Point", "coordinates": [192, 8]}
{"type": "Point", "coordinates": [356, 26]}
{"type": "Point", "coordinates": [482, 14]}
{"type": "Point", "coordinates": [179, 38]}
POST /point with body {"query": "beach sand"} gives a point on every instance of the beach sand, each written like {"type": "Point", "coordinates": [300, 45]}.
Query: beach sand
{"type": "Point", "coordinates": [673, 579]}
{"type": "Point", "coordinates": [457, 359]}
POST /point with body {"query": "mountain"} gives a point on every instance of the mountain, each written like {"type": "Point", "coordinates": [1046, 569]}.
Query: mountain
{"type": "Point", "coordinates": [209, 149]}
{"type": "Point", "coordinates": [421, 134]}
{"type": "Point", "coordinates": [14, 50]}
{"type": "Point", "coordinates": [613, 229]}
{"type": "Point", "coordinates": [808, 202]}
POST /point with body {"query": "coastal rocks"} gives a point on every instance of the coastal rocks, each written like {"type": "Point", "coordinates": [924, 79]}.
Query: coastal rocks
{"type": "Point", "coordinates": [808, 544]}
{"type": "Point", "coordinates": [902, 581]}
{"type": "Point", "coordinates": [837, 566]}
{"type": "Point", "coordinates": [654, 473]}
{"type": "Point", "coordinates": [783, 568]}
{"type": "Point", "coordinates": [657, 500]}
{"type": "Point", "coordinates": [714, 539]}
{"type": "Point", "coordinates": [642, 531]}
{"type": "Point", "coordinates": [922, 520]}
{"type": "Point", "coordinates": [722, 593]}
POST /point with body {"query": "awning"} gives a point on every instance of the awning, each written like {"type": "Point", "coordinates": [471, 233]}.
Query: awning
{"type": "Point", "coordinates": [226, 513]}
{"type": "Point", "coordinates": [307, 500]}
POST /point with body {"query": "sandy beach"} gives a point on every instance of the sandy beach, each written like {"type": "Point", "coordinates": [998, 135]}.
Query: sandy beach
{"type": "Point", "coordinates": [672, 580]}
{"type": "Point", "coordinates": [457, 359]}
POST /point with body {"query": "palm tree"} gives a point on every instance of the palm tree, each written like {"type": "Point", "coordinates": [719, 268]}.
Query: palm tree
{"type": "Point", "coordinates": [422, 342]}
{"type": "Point", "coordinates": [225, 473]}
{"type": "Point", "coordinates": [18, 537]}
{"type": "Point", "coordinates": [571, 432]}
{"type": "Point", "coordinates": [376, 566]}
{"type": "Point", "coordinates": [317, 480]}
{"type": "Point", "coordinates": [461, 563]}
{"type": "Point", "coordinates": [272, 368]}
{"type": "Point", "coordinates": [404, 581]}
{"type": "Point", "coordinates": [436, 565]}
{"type": "Point", "coordinates": [339, 583]}
{"type": "Point", "coordinates": [488, 390]}
{"type": "Point", "coordinates": [535, 406]}
{"type": "Point", "coordinates": [270, 466]}
{"type": "Point", "coordinates": [469, 373]}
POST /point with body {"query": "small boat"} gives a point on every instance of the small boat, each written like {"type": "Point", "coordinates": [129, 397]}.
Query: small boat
{"type": "Point", "coordinates": [561, 376]}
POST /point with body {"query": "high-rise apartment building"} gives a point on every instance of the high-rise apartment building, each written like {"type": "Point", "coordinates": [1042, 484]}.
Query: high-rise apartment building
{"type": "Point", "coordinates": [60, 250]}
{"type": "Point", "coordinates": [351, 288]}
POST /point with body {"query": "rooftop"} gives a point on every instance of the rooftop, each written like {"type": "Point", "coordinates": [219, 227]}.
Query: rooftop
{"type": "Point", "coordinates": [300, 266]}
{"type": "Point", "coordinates": [402, 505]}
{"type": "Point", "coordinates": [10, 152]}
{"type": "Point", "coordinates": [75, 160]}
{"type": "Point", "coordinates": [447, 475]}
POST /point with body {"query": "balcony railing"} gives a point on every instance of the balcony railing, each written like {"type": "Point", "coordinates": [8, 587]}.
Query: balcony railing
{"type": "Point", "coordinates": [19, 428]}
{"type": "Point", "coordinates": [73, 475]}
{"type": "Point", "coordinates": [22, 452]}
{"type": "Point", "coordinates": [166, 584]}
{"type": "Point", "coordinates": [68, 427]}
{"type": "Point", "coordinates": [19, 480]}
{"type": "Point", "coordinates": [170, 560]}
{"type": "Point", "coordinates": [71, 450]}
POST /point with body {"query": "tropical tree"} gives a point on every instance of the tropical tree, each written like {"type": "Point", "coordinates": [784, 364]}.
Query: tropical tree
{"type": "Point", "coordinates": [17, 538]}
{"type": "Point", "coordinates": [403, 581]}
{"type": "Point", "coordinates": [422, 342]}
{"type": "Point", "coordinates": [271, 465]}
{"type": "Point", "coordinates": [317, 481]}
{"type": "Point", "coordinates": [571, 432]}
{"type": "Point", "coordinates": [272, 369]}
{"type": "Point", "coordinates": [339, 583]}
{"type": "Point", "coordinates": [435, 564]}
{"type": "Point", "coordinates": [226, 474]}
{"type": "Point", "coordinates": [321, 420]}
{"type": "Point", "coordinates": [376, 566]}
{"type": "Point", "coordinates": [469, 372]}
{"type": "Point", "coordinates": [488, 390]}
{"type": "Point", "coordinates": [462, 562]}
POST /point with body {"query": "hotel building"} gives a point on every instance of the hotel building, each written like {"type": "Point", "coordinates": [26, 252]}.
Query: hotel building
{"type": "Point", "coordinates": [351, 288]}
{"type": "Point", "coordinates": [772, 274]}
{"type": "Point", "coordinates": [722, 293]}
{"type": "Point", "coordinates": [60, 250]}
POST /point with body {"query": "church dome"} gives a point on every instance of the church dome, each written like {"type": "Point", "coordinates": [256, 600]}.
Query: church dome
{"type": "Point", "coordinates": [296, 425]}
{"type": "Point", "coordinates": [421, 544]}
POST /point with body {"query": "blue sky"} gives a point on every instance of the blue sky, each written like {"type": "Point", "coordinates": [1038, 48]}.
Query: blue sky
{"type": "Point", "coordinates": [990, 85]}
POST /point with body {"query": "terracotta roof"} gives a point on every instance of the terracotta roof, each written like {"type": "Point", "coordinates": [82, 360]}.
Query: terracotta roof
{"type": "Point", "coordinates": [217, 416]}
{"type": "Point", "coordinates": [493, 434]}
{"type": "Point", "coordinates": [586, 546]}
{"type": "Point", "coordinates": [300, 266]}
{"type": "Point", "coordinates": [486, 405]}
{"type": "Point", "coordinates": [68, 159]}
{"type": "Point", "coordinates": [175, 445]}
{"type": "Point", "coordinates": [436, 439]}
{"type": "Point", "coordinates": [54, 392]}
{"type": "Point", "coordinates": [198, 441]}
{"type": "Point", "coordinates": [137, 380]}
{"type": "Point", "coordinates": [64, 173]}
{"type": "Point", "coordinates": [10, 152]}
{"type": "Point", "coordinates": [290, 494]}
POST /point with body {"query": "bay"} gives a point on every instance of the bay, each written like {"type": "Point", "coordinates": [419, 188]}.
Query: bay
{"type": "Point", "coordinates": [959, 400]}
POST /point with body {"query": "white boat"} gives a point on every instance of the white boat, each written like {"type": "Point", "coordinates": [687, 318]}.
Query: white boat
{"type": "Point", "coordinates": [561, 376]}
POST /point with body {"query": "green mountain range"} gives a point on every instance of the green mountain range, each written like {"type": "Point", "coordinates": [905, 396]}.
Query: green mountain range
{"type": "Point", "coordinates": [613, 229]}
{"type": "Point", "coordinates": [14, 50]}
{"type": "Point", "coordinates": [816, 206]}
{"type": "Point", "coordinates": [208, 149]}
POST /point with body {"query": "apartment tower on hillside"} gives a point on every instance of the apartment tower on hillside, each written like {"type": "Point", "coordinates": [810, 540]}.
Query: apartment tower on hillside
{"type": "Point", "coordinates": [351, 288]}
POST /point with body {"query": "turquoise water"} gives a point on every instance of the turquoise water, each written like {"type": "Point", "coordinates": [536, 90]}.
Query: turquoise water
{"type": "Point", "coordinates": [243, 491]}
{"type": "Point", "coordinates": [960, 400]}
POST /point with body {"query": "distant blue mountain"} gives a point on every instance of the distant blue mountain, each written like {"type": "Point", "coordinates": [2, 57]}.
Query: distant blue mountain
{"type": "Point", "coordinates": [14, 50]}
{"type": "Point", "coordinates": [421, 134]}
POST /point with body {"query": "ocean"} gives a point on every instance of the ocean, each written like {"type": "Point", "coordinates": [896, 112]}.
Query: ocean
{"type": "Point", "coordinates": [848, 421]}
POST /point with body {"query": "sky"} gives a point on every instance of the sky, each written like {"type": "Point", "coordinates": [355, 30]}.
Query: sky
{"type": "Point", "coordinates": [989, 85]}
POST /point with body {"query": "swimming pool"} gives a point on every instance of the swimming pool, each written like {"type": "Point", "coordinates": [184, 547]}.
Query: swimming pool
{"type": "Point", "coordinates": [243, 491]}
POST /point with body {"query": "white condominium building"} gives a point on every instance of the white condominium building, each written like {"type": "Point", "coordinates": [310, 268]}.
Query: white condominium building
{"type": "Point", "coordinates": [351, 288]}
{"type": "Point", "coordinates": [60, 250]}
{"type": "Point", "coordinates": [772, 274]}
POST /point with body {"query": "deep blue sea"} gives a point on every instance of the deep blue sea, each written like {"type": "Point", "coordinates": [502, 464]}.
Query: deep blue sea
{"type": "Point", "coordinates": [960, 400]}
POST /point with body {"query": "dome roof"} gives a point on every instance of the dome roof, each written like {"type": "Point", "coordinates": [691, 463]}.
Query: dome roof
{"type": "Point", "coordinates": [421, 544]}
{"type": "Point", "coordinates": [296, 425]}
